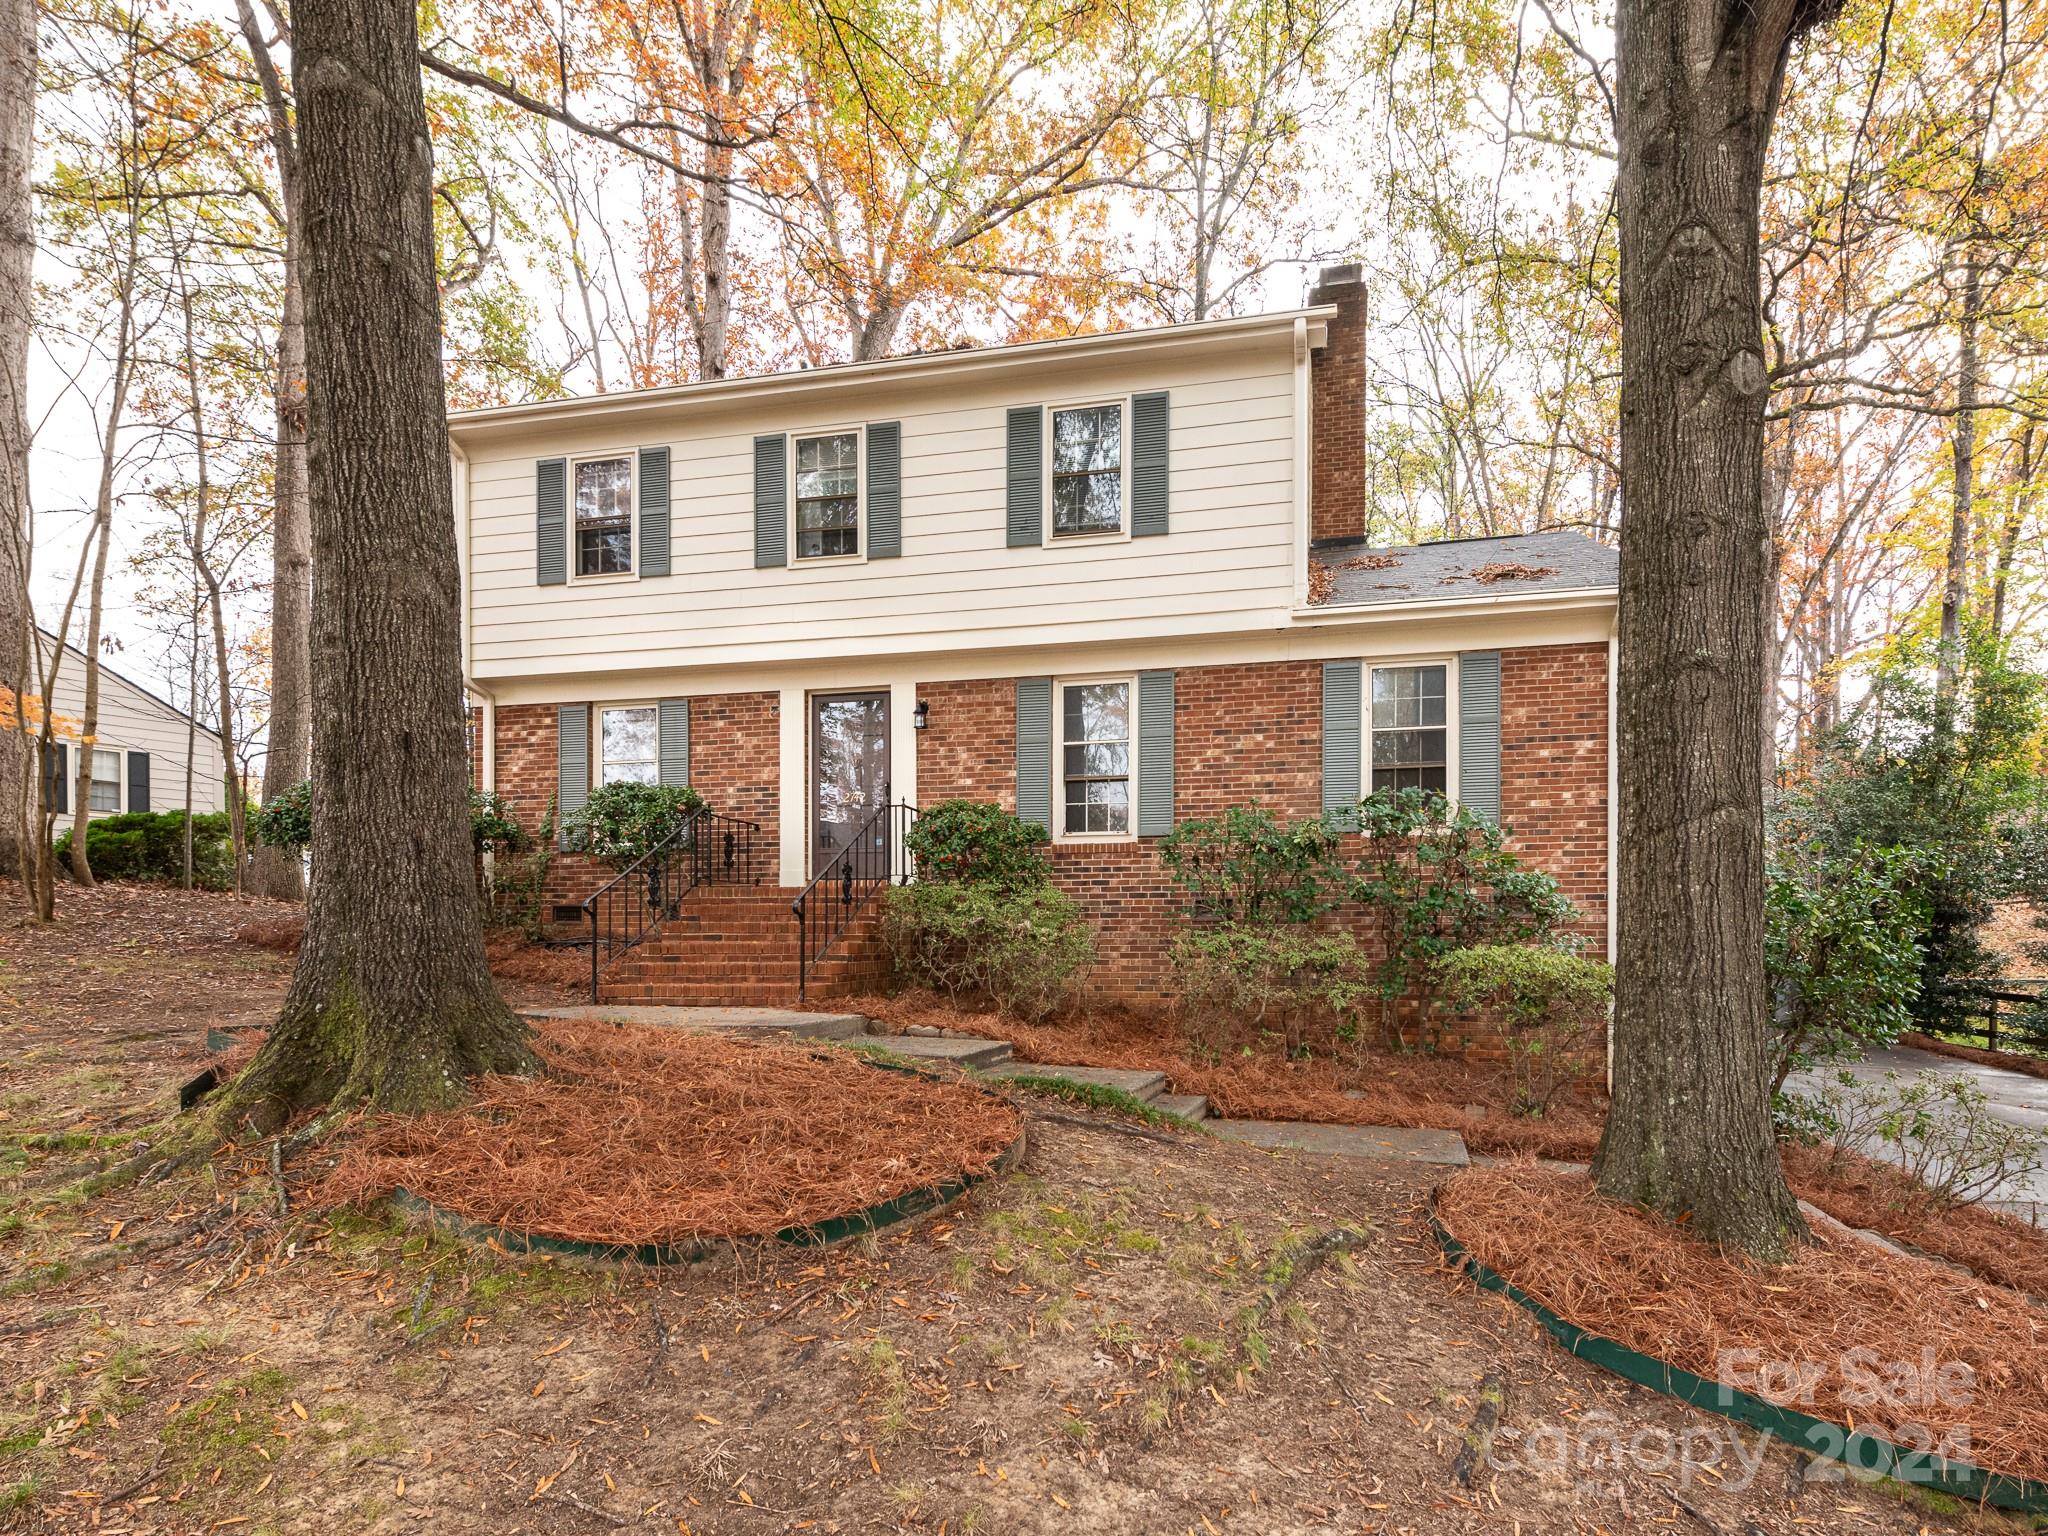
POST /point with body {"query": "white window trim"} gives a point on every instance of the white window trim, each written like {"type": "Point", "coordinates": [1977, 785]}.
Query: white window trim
{"type": "Point", "coordinates": [597, 735]}
{"type": "Point", "coordinates": [632, 572]}
{"type": "Point", "coordinates": [120, 781]}
{"type": "Point", "coordinates": [1123, 532]}
{"type": "Point", "coordinates": [1379, 663]}
{"type": "Point", "coordinates": [860, 496]}
{"type": "Point", "coordinates": [1060, 834]}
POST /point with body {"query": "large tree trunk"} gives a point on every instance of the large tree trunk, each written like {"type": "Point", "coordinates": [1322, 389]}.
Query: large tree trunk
{"type": "Point", "coordinates": [17, 258]}
{"type": "Point", "coordinates": [1689, 1131]}
{"type": "Point", "coordinates": [391, 1002]}
{"type": "Point", "coordinates": [280, 872]}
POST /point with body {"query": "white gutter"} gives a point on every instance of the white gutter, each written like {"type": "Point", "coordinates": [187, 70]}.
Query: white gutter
{"type": "Point", "coordinates": [1504, 602]}
{"type": "Point", "coordinates": [1298, 556]}
{"type": "Point", "coordinates": [843, 376]}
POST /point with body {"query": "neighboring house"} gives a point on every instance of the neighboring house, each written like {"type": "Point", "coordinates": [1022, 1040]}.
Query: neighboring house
{"type": "Point", "coordinates": [139, 751]}
{"type": "Point", "coordinates": [1112, 582]}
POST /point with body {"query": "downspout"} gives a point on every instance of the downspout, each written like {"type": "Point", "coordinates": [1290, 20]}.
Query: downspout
{"type": "Point", "coordinates": [1303, 534]}
{"type": "Point", "coordinates": [1613, 817]}
{"type": "Point", "coordinates": [469, 683]}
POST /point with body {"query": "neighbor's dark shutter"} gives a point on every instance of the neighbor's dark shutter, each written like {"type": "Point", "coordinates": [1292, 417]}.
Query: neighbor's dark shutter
{"type": "Point", "coordinates": [771, 500]}
{"type": "Point", "coordinates": [1479, 733]}
{"type": "Point", "coordinates": [674, 720]}
{"type": "Point", "coordinates": [1340, 738]}
{"type": "Point", "coordinates": [885, 489]}
{"type": "Point", "coordinates": [1155, 754]}
{"type": "Point", "coordinates": [1025, 475]}
{"type": "Point", "coordinates": [138, 781]}
{"type": "Point", "coordinates": [653, 511]}
{"type": "Point", "coordinates": [572, 766]}
{"type": "Point", "coordinates": [551, 522]}
{"type": "Point", "coordinates": [1148, 464]}
{"type": "Point", "coordinates": [1034, 750]}
{"type": "Point", "coordinates": [57, 777]}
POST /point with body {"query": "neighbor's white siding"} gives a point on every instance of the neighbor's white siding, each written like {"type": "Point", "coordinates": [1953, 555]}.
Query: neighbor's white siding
{"type": "Point", "coordinates": [1225, 567]}
{"type": "Point", "coordinates": [132, 720]}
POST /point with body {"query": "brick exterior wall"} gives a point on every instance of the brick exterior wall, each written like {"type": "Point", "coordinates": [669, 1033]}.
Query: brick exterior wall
{"type": "Point", "coordinates": [1553, 768]}
{"type": "Point", "coordinates": [1337, 411]}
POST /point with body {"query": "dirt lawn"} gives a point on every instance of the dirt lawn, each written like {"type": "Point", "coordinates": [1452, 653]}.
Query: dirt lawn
{"type": "Point", "coordinates": [1136, 1332]}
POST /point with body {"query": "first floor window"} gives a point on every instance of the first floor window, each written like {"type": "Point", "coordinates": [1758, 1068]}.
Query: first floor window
{"type": "Point", "coordinates": [628, 743]}
{"type": "Point", "coordinates": [1410, 734]}
{"type": "Point", "coordinates": [828, 495]}
{"type": "Point", "coordinates": [604, 517]}
{"type": "Point", "coordinates": [1095, 764]}
{"type": "Point", "coordinates": [106, 780]}
{"type": "Point", "coordinates": [1088, 470]}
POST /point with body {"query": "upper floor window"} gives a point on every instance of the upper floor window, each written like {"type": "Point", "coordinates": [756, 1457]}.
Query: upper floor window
{"type": "Point", "coordinates": [1410, 728]}
{"type": "Point", "coordinates": [828, 495]}
{"type": "Point", "coordinates": [604, 517]}
{"type": "Point", "coordinates": [1095, 758]}
{"type": "Point", "coordinates": [106, 780]}
{"type": "Point", "coordinates": [1087, 470]}
{"type": "Point", "coordinates": [628, 745]}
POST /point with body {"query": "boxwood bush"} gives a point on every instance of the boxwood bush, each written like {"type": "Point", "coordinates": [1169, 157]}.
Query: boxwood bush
{"type": "Point", "coordinates": [150, 845]}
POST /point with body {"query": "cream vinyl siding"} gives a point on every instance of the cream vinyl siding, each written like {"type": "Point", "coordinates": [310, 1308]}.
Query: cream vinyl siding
{"type": "Point", "coordinates": [1226, 565]}
{"type": "Point", "coordinates": [131, 720]}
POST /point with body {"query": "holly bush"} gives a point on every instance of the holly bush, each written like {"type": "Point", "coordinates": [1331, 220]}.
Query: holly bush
{"type": "Point", "coordinates": [977, 842]}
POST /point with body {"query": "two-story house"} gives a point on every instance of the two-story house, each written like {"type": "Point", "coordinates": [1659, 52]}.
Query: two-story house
{"type": "Point", "coordinates": [1111, 582]}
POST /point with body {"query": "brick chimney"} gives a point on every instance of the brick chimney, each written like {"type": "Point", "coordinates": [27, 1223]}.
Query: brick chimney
{"type": "Point", "coordinates": [1337, 410]}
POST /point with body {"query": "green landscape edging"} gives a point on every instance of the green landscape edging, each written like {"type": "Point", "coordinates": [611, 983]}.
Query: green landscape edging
{"type": "Point", "coordinates": [1852, 1447]}
{"type": "Point", "coordinates": [836, 1229]}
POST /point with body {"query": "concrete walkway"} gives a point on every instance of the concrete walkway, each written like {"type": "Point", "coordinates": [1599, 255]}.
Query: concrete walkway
{"type": "Point", "coordinates": [2012, 1096]}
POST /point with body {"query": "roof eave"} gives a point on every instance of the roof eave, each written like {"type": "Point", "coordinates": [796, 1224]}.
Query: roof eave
{"type": "Point", "coordinates": [1564, 599]}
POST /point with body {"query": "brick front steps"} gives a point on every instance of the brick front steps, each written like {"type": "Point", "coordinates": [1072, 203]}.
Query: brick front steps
{"type": "Point", "coordinates": [738, 948]}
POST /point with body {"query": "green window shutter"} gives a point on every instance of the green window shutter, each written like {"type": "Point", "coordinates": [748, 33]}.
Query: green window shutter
{"type": "Point", "coordinates": [1479, 733]}
{"type": "Point", "coordinates": [1340, 738]}
{"type": "Point", "coordinates": [653, 511]}
{"type": "Point", "coordinates": [572, 766]}
{"type": "Point", "coordinates": [885, 489]}
{"type": "Point", "coordinates": [771, 500]}
{"type": "Point", "coordinates": [1149, 417]}
{"type": "Point", "coordinates": [57, 774]}
{"type": "Point", "coordinates": [551, 522]}
{"type": "Point", "coordinates": [1155, 754]}
{"type": "Point", "coordinates": [674, 716]}
{"type": "Point", "coordinates": [1025, 477]}
{"type": "Point", "coordinates": [138, 781]}
{"type": "Point", "coordinates": [1034, 750]}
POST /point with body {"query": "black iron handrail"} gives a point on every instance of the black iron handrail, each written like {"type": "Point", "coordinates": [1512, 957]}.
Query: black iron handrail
{"type": "Point", "coordinates": [707, 849]}
{"type": "Point", "coordinates": [874, 858]}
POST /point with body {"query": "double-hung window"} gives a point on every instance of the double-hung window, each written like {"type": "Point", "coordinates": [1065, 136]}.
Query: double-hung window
{"type": "Point", "coordinates": [106, 780]}
{"type": "Point", "coordinates": [628, 745]}
{"type": "Point", "coordinates": [604, 517]}
{"type": "Point", "coordinates": [1095, 758]}
{"type": "Point", "coordinates": [1410, 737]}
{"type": "Point", "coordinates": [1087, 470]}
{"type": "Point", "coordinates": [828, 495]}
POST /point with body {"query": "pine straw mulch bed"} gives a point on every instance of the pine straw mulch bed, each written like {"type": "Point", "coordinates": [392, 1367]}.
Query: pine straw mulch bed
{"type": "Point", "coordinates": [1407, 1089]}
{"type": "Point", "coordinates": [639, 1135]}
{"type": "Point", "coordinates": [1616, 1271]}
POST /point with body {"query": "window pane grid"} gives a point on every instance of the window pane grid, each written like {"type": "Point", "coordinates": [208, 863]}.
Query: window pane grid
{"type": "Point", "coordinates": [1087, 470]}
{"type": "Point", "coordinates": [604, 517]}
{"type": "Point", "coordinates": [1095, 746]}
{"type": "Point", "coordinates": [105, 788]}
{"type": "Point", "coordinates": [1410, 741]}
{"type": "Point", "coordinates": [628, 746]}
{"type": "Point", "coordinates": [828, 495]}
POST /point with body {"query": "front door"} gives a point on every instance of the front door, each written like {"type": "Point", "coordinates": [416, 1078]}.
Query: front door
{"type": "Point", "coordinates": [849, 769]}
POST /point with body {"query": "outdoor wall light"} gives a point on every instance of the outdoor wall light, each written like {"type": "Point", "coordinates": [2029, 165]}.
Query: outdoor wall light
{"type": "Point", "coordinates": [921, 717]}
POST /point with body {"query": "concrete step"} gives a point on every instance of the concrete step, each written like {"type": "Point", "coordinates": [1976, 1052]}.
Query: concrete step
{"type": "Point", "coordinates": [965, 1053]}
{"type": "Point", "coordinates": [1189, 1106]}
{"type": "Point", "coordinates": [1380, 1143]}
{"type": "Point", "coordinates": [1140, 1085]}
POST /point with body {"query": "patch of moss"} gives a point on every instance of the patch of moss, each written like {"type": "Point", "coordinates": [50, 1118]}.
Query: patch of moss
{"type": "Point", "coordinates": [1099, 1096]}
{"type": "Point", "coordinates": [224, 1429]}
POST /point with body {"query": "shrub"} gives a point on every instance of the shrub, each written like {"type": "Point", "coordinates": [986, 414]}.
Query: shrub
{"type": "Point", "coordinates": [621, 822]}
{"type": "Point", "coordinates": [1552, 1003]}
{"type": "Point", "coordinates": [1841, 945]}
{"type": "Point", "coordinates": [976, 842]}
{"type": "Point", "coordinates": [1280, 978]}
{"type": "Point", "coordinates": [150, 845]}
{"type": "Point", "coordinates": [1437, 878]}
{"type": "Point", "coordinates": [1023, 948]}
{"type": "Point", "coordinates": [1245, 867]}
{"type": "Point", "coordinates": [286, 820]}
{"type": "Point", "coordinates": [1938, 1127]}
